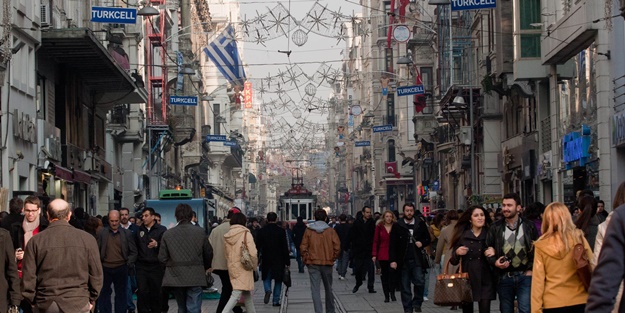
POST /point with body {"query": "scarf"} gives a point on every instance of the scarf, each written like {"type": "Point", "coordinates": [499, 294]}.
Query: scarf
{"type": "Point", "coordinates": [29, 228]}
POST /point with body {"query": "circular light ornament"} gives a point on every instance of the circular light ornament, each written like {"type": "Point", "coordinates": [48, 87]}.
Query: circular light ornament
{"type": "Point", "coordinates": [297, 113]}
{"type": "Point", "coordinates": [299, 37]}
{"type": "Point", "coordinates": [310, 89]}
{"type": "Point", "coordinates": [356, 110]}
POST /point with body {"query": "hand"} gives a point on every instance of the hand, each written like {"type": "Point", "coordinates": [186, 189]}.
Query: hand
{"type": "Point", "coordinates": [90, 306]}
{"type": "Point", "coordinates": [418, 244]}
{"type": "Point", "coordinates": [528, 273]}
{"type": "Point", "coordinates": [19, 254]}
{"type": "Point", "coordinates": [373, 259]}
{"type": "Point", "coordinates": [152, 244]}
{"type": "Point", "coordinates": [394, 265]}
{"type": "Point", "coordinates": [490, 252]}
{"type": "Point", "coordinates": [500, 263]}
{"type": "Point", "coordinates": [462, 250]}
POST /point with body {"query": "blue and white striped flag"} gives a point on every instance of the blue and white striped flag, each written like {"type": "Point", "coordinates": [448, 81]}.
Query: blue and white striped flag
{"type": "Point", "coordinates": [223, 52]}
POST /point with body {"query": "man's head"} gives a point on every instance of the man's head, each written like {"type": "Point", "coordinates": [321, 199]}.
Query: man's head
{"type": "Point", "coordinates": [31, 208]}
{"type": "Point", "coordinates": [321, 215]}
{"type": "Point", "coordinates": [147, 216]}
{"type": "Point", "coordinates": [184, 213]}
{"type": "Point", "coordinates": [408, 211]}
{"type": "Point", "coordinates": [16, 205]}
{"type": "Point", "coordinates": [58, 209]}
{"type": "Point", "coordinates": [376, 216]}
{"type": "Point", "coordinates": [511, 205]}
{"type": "Point", "coordinates": [366, 212]}
{"type": "Point", "coordinates": [272, 217]}
{"type": "Point", "coordinates": [193, 217]}
{"type": "Point", "coordinates": [114, 219]}
{"type": "Point", "coordinates": [124, 214]}
{"type": "Point", "coordinates": [600, 206]}
{"type": "Point", "coordinates": [342, 218]}
{"type": "Point", "coordinates": [233, 210]}
{"type": "Point", "coordinates": [157, 218]}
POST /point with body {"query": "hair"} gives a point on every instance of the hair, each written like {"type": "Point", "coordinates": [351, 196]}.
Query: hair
{"type": "Point", "coordinates": [300, 219]}
{"type": "Point", "coordinates": [408, 204]}
{"type": "Point", "coordinates": [438, 220]}
{"type": "Point", "coordinates": [394, 219]}
{"type": "Point", "coordinates": [16, 205]}
{"type": "Point", "coordinates": [148, 209]}
{"type": "Point", "coordinates": [238, 219]}
{"type": "Point", "coordinates": [322, 215]}
{"type": "Point", "coordinates": [33, 200]}
{"type": "Point", "coordinates": [232, 212]}
{"type": "Point", "coordinates": [585, 193]}
{"type": "Point", "coordinates": [58, 214]}
{"type": "Point", "coordinates": [534, 210]}
{"type": "Point", "coordinates": [464, 223]}
{"type": "Point", "coordinates": [92, 224]}
{"type": "Point", "coordinates": [366, 207]}
{"type": "Point", "coordinates": [557, 222]}
{"type": "Point", "coordinates": [184, 213]}
{"type": "Point", "coordinates": [272, 217]}
{"type": "Point", "coordinates": [619, 196]}
{"type": "Point", "coordinates": [342, 217]}
{"type": "Point", "coordinates": [601, 201]}
{"type": "Point", "coordinates": [124, 209]}
{"type": "Point", "coordinates": [514, 196]}
{"type": "Point", "coordinates": [588, 206]}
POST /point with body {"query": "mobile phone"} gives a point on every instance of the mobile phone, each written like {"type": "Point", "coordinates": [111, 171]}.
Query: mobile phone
{"type": "Point", "coordinates": [505, 259]}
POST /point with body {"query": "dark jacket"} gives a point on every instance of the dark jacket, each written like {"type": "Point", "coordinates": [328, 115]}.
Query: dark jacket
{"type": "Point", "coordinates": [9, 281]}
{"type": "Point", "coordinates": [187, 255]}
{"type": "Point", "coordinates": [142, 239]}
{"type": "Point", "coordinates": [610, 269]}
{"type": "Point", "coordinates": [361, 238]}
{"type": "Point", "coordinates": [495, 239]}
{"type": "Point", "coordinates": [17, 231]}
{"type": "Point", "coordinates": [298, 233]}
{"type": "Point", "coordinates": [129, 247]}
{"type": "Point", "coordinates": [400, 240]}
{"type": "Point", "coordinates": [10, 219]}
{"type": "Point", "coordinates": [342, 230]}
{"type": "Point", "coordinates": [273, 248]}
{"type": "Point", "coordinates": [63, 266]}
{"type": "Point", "coordinates": [481, 275]}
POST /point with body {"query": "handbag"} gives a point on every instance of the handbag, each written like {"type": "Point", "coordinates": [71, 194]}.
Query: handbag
{"type": "Point", "coordinates": [209, 279]}
{"type": "Point", "coordinates": [287, 277]}
{"type": "Point", "coordinates": [246, 257]}
{"type": "Point", "coordinates": [452, 289]}
{"type": "Point", "coordinates": [256, 276]}
{"type": "Point", "coordinates": [582, 263]}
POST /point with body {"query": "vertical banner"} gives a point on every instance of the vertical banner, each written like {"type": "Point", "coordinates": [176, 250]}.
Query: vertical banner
{"type": "Point", "coordinates": [180, 80]}
{"type": "Point", "coordinates": [247, 95]}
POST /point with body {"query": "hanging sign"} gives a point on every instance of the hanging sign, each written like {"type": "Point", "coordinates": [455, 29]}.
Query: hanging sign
{"type": "Point", "coordinates": [247, 95]}
{"type": "Point", "coordinates": [114, 15]}
{"type": "Point", "coordinates": [460, 5]}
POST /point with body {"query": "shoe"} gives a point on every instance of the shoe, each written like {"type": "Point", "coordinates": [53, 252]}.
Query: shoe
{"type": "Point", "coordinates": [267, 295]}
{"type": "Point", "coordinates": [393, 297]}
{"type": "Point", "coordinates": [425, 299]}
{"type": "Point", "coordinates": [418, 309]}
{"type": "Point", "coordinates": [355, 289]}
{"type": "Point", "coordinates": [372, 291]}
{"type": "Point", "coordinates": [341, 278]}
{"type": "Point", "coordinates": [386, 300]}
{"type": "Point", "coordinates": [276, 304]}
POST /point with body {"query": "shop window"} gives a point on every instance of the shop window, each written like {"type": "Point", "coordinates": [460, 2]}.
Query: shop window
{"type": "Point", "coordinates": [216, 121]}
{"type": "Point", "coordinates": [391, 150]}
{"type": "Point", "coordinates": [529, 16]}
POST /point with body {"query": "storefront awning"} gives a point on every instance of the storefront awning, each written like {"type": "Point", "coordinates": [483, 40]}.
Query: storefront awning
{"type": "Point", "coordinates": [63, 173]}
{"type": "Point", "coordinates": [398, 181]}
{"type": "Point", "coordinates": [79, 50]}
{"type": "Point", "coordinates": [82, 177]}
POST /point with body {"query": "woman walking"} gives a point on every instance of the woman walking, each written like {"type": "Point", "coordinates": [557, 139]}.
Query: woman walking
{"type": "Point", "coordinates": [555, 284]}
{"type": "Point", "coordinates": [469, 245]}
{"type": "Point", "coordinates": [588, 221]}
{"type": "Point", "coordinates": [242, 280]}
{"type": "Point", "coordinates": [381, 243]}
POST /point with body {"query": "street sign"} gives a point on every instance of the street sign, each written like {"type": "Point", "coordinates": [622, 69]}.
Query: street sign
{"type": "Point", "coordinates": [230, 143]}
{"type": "Point", "coordinates": [460, 5]}
{"type": "Point", "coordinates": [363, 143]}
{"type": "Point", "coordinates": [183, 100]}
{"type": "Point", "coordinates": [114, 15]}
{"type": "Point", "coordinates": [410, 90]}
{"type": "Point", "coordinates": [216, 138]}
{"type": "Point", "coordinates": [383, 128]}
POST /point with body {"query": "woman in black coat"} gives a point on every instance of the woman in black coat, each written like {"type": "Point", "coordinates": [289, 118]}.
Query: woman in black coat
{"type": "Point", "coordinates": [469, 244]}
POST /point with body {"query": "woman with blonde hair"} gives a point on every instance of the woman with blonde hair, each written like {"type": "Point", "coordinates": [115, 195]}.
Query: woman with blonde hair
{"type": "Point", "coordinates": [380, 252]}
{"type": "Point", "coordinates": [554, 272]}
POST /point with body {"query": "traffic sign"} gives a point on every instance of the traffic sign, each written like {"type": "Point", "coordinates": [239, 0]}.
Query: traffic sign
{"type": "Point", "coordinates": [410, 90]}
{"type": "Point", "coordinates": [230, 143]}
{"type": "Point", "coordinates": [460, 5]}
{"type": "Point", "coordinates": [182, 100]}
{"type": "Point", "coordinates": [382, 128]}
{"type": "Point", "coordinates": [363, 143]}
{"type": "Point", "coordinates": [216, 138]}
{"type": "Point", "coordinates": [114, 15]}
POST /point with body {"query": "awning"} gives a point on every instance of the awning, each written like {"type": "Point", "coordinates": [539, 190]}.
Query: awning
{"type": "Point", "coordinates": [63, 173]}
{"type": "Point", "coordinates": [398, 181]}
{"type": "Point", "coordinates": [82, 177]}
{"type": "Point", "coordinates": [79, 50]}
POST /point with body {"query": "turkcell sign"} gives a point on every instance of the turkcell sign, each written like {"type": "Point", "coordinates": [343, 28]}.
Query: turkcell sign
{"type": "Point", "coordinates": [410, 90]}
{"type": "Point", "coordinates": [459, 5]}
{"type": "Point", "coordinates": [363, 143]}
{"type": "Point", "coordinates": [230, 143]}
{"type": "Point", "coordinates": [383, 128]}
{"type": "Point", "coordinates": [114, 15]}
{"type": "Point", "coordinates": [216, 138]}
{"type": "Point", "coordinates": [183, 100]}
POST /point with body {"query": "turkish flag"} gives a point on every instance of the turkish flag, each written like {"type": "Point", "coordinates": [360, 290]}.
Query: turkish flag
{"type": "Point", "coordinates": [402, 10]}
{"type": "Point", "coordinates": [391, 167]}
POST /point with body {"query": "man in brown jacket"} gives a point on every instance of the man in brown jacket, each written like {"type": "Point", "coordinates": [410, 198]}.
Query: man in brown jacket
{"type": "Point", "coordinates": [62, 270]}
{"type": "Point", "coordinates": [320, 248]}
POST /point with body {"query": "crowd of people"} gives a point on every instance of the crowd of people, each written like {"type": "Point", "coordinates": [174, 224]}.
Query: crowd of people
{"type": "Point", "coordinates": [524, 256]}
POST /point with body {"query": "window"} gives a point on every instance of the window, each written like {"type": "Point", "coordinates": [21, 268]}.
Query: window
{"type": "Point", "coordinates": [391, 150]}
{"type": "Point", "coordinates": [216, 122]}
{"type": "Point", "coordinates": [41, 97]}
{"type": "Point", "coordinates": [530, 34]}
{"type": "Point", "coordinates": [390, 109]}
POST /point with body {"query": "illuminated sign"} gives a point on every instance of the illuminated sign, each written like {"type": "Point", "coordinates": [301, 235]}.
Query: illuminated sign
{"type": "Point", "coordinates": [247, 95]}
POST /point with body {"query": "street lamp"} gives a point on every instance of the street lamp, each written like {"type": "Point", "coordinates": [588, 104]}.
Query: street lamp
{"type": "Point", "coordinates": [148, 10]}
{"type": "Point", "coordinates": [404, 60]}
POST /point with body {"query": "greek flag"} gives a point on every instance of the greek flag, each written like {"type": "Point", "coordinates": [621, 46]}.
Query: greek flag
{"type": "Point", "coordinates": [223, 52]}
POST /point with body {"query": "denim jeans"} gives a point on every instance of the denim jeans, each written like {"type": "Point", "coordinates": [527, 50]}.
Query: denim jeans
{"type": "Point", "coordinates": [321, 273]}
{"type": "Point", "coordinates": [412, 274]}
{"type": "Point", "coordinates": [132, 285]}
{"type": "Point", "coordinates": [518, 286]}
{"type": "Point", "coordinates": [342, 263]}
{"type": "Point", "coordinates": [300, 263]}
{"type": "Point", "coordinates": [426, 283]}
{"type": "Point", "coordinates": [277, 287]}
{"type": "Point", "coordinates": [189, 299]}
{"type": "Point", "coordinates": [118, 277]}
{"type": "Point", "coordinates": [248, 301]}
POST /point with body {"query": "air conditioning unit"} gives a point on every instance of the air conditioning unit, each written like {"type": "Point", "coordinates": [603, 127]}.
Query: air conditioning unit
{"type": "Point", "coordinates": [45, 13]}
{"type": "Point", "coordinates": [466, 135]}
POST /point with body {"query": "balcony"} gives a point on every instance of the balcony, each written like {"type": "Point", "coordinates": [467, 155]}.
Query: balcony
{"type": "Point", "coordinates": [446, 137]}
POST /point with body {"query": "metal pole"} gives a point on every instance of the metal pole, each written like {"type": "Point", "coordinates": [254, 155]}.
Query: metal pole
{"type": "Point", "coordinates": [474, 186]}
{"type": "Point", "coordinates": [451, 50]}
{"type": "Point", "coordinates": [149, 191]}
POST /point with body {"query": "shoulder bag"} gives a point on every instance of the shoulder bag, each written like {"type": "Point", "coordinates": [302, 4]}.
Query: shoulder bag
{"type": "Point", "coordinates": [580, 257]}
{"type": "Point", "coordinates": [246, 258]}
{"type": "Point", "coordinates": [452, 289]}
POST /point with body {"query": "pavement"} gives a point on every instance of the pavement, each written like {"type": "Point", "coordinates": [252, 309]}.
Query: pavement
{"type": "Point", "coordinates": [299, 297]}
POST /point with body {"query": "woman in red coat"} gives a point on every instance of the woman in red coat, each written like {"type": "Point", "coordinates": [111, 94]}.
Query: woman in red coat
{"type": "Point", "coordinates": [381, 242]}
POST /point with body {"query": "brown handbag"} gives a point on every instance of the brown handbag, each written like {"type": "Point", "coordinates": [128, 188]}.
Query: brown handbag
{"type": "Point", "coordinates": [582, 263]}
{"type": "Point", "coordinates": [452, 289]}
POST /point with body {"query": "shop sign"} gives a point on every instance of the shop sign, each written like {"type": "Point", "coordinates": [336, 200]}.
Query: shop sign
{"type": "Point", "coordinates": [618, 129]}
{"type": "Point", "coordinates": [24, 127]}
{"type": "Point", "coordinates": [459, 5]}
{"type": "Point", "coordinates": [575, 147]}
{"type": "Point", "coordinates": [114, 15]}
{"type": "Point", "coordinates": [183, 100]}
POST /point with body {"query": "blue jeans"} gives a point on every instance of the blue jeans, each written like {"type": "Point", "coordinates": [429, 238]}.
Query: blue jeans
{"type": "Point", "coordinates": [426, 283]}
{"type": "Point", "coordinates": [300, 263]}
{"type": "Point", "coordinates": [277, 287]}
{"type": "Point", "coordinates": [321, 273]}
{"type": "Point", "coordinates": [132, 285]}
{"type": "Point", "coordinates": [189, 299]}
{"type": "Point", "coordinates": [342, 263]}
{"type": "Point", "coordinates": [118, 277]}
{"type": "Point", "coordinates": [412, 274]}
{"type": "Point", "coordinates": [518, 286]}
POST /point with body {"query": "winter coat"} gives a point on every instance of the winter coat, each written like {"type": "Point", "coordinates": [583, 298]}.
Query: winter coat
{"type": "Point", "coordinates": [147, 255]}
{"type": "Point", "coordinates": [187, 255]}
{"type": "Point", "coordinates": [598, 245]}
{"type": "Point", "coordinates": [342, 230]}
{"type": "Point", "coordinates": [272, 245]}
{"type": "Point", "coordinates": [298, 233]}
{"type": "Point", "coordinates": [320, 245]}
{"type": "Point", "coordinates": [216, 240]}
{"type": "Point", "coordinates": [382, 241]}
{"type": "Point", "coordinates": [9, 281]}
{"type": "Point", "coordinates": [129, 248]}
{"type": "Point", "coordinates": [399, 249]}
{"type": "Point", "coordinates": [443, 246]}
{"type": "Point", "coordinates": [591, 231]}
{"type": "Point", "coordinates": [495, 239]}
{"type": "Point", "coordinates": [481, 275]}
{"type": "Point", "coordinates": [240, 278]}
{"type": "Point", "coordinates": [555, 283]}
{"type": "Point", "coordinates": [361, 238]}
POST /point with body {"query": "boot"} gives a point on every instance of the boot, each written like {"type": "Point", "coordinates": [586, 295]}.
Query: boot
{"type": "Point", "coordinates": [386, 295]}
{"type": "Point", "coordinates": [393, 296]}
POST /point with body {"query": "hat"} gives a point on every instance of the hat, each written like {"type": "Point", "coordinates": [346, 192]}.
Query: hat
{"type": "Point", "coordinates": [234, 210]}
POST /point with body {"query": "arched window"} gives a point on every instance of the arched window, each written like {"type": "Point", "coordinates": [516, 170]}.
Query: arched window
{"type": "Point", "coordinates": [391, 150]}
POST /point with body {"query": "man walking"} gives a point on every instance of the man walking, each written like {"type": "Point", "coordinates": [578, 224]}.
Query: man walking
{"type": "Point", "coordinates": [149, 270]}
{"type": "Point", "coordinates": [187, 255]}
{"type": "Point", "coordinates": [298, 233]}
{"type": "Point", "coordinates": [273, 248]}
{"type": "Point", "coordinates": [342, 230]}
{"type": "Point", "coordinates": [118, 253]}
{"type": "Point", "coordinates": [62, 270]}
{"type": "Point", "coordinates": [16, 205]}
{"type": "Point", "coordinates": [124, 215]}
{"type": "Point", "coordinates": [509, 243]}
{"type": "Point", "coordinates": [219, 264]}
{"type": "Point", "coordinates": [10, 296]}
{"type": "Point", "coordinates": [406, 253]}
{"type": "Point", "coordinates": [361, 239]}
{"type": "Point", "coordinates": [320, 248]}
